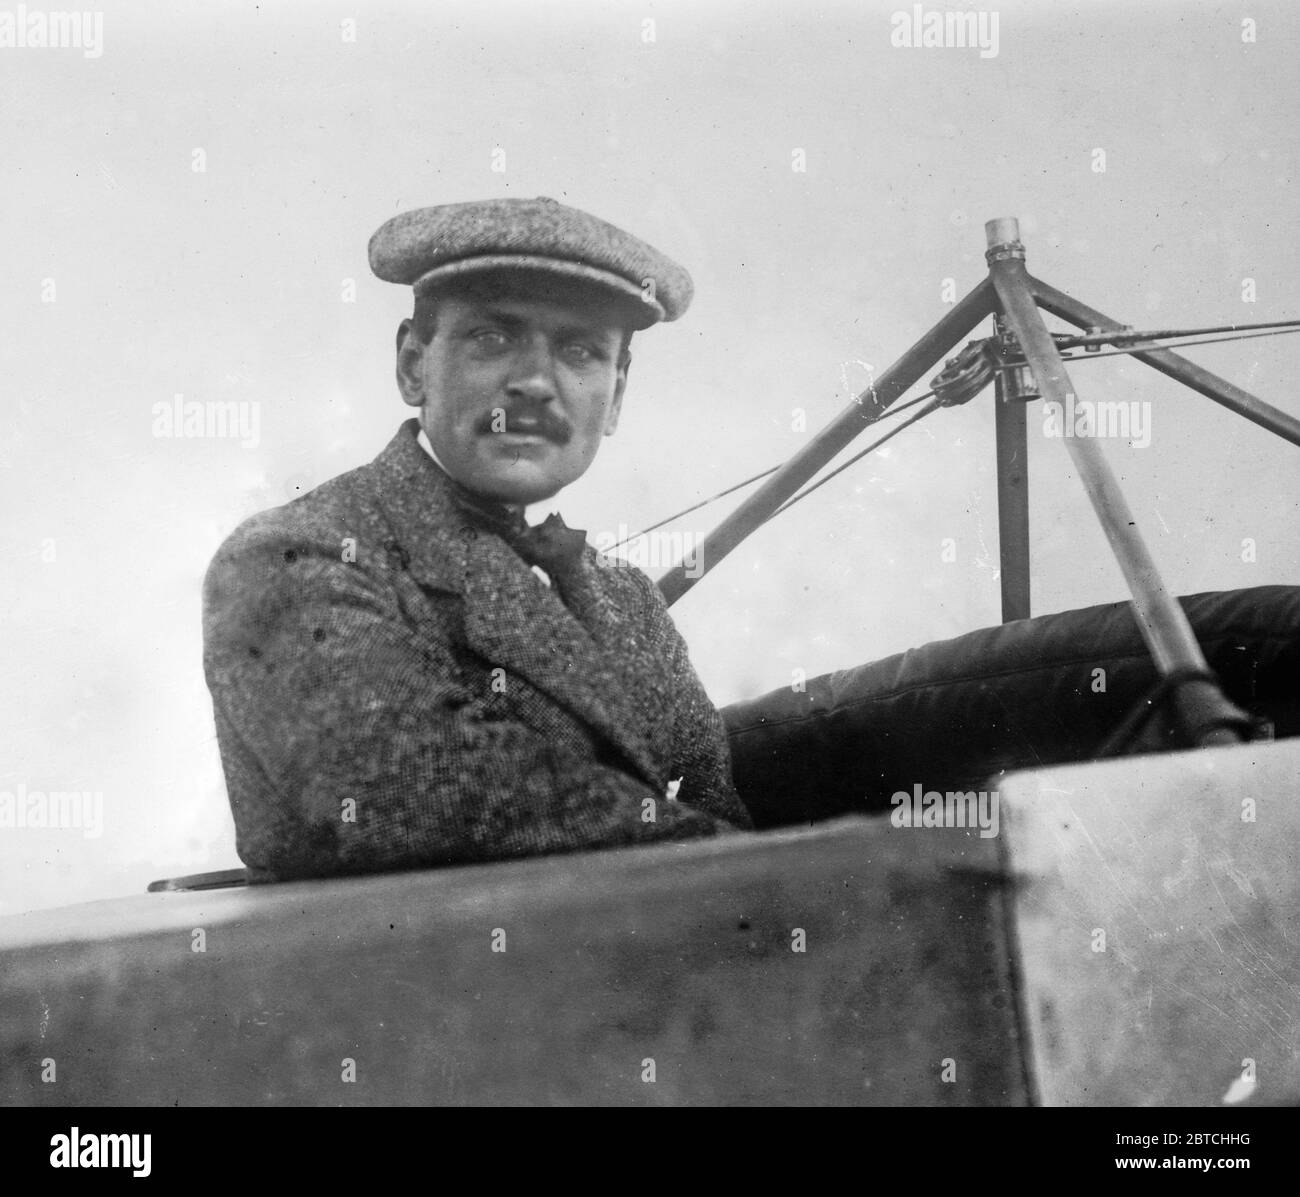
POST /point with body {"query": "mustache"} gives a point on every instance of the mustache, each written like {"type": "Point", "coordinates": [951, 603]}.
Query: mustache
{"type": "Point", "coordinates": [529, 418]}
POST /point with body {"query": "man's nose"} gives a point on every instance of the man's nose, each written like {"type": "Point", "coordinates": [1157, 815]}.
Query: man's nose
{"type": "Point", "coordinates": [532, 372]}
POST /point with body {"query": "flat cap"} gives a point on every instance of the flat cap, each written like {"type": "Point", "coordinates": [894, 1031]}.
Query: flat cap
{"type": "Point", "coordinates": [428, 247]}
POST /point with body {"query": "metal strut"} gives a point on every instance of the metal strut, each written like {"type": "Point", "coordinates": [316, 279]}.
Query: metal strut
{"type": "Point", "coordinates": [1204, 715]}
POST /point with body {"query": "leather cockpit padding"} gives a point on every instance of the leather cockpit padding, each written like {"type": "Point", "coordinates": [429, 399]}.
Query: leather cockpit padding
{"type": "Point", "coordinates": [955, 712]}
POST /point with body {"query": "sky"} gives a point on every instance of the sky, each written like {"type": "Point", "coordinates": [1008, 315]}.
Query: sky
{"type": "Point", "coordinates": [185, 211]}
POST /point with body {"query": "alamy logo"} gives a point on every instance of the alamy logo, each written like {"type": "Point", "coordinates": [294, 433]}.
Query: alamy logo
{"type": "Point", "coordinates": [1117, 419]}
{"type": "Point", "coordinates": [955, 808]}
{"type": "Point", "coordinates": [35, 29]}
{"type": "Point", "coordinates": [59, 809]}
{"type": "Point", "coordinates": [78, 1150]}
{"type": "Point", "coordinates": [945, 30]}
{"type": "Point", "coordinates": [214, 419]}
{"type": "Point", "coordinates": [651, 550]}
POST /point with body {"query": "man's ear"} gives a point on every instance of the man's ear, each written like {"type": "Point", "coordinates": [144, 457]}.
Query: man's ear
{"type": "Point", "coordinates": [616, 404]}
{"type": "Point", "coordinates": [410, 359]}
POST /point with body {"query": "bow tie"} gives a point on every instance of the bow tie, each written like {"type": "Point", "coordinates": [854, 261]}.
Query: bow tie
{"type": "Point", "coordinates": [552, 544]}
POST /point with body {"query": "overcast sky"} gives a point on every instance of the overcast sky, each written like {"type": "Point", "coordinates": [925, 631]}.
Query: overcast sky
{"type": "Point", "coordinates": [185, 211]}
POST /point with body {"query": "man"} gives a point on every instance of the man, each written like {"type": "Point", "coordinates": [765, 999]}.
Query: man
{"type": "Point", "coordinates": [403, 672]}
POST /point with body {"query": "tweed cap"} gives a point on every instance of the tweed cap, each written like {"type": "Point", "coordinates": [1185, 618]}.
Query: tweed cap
{"type": "Point", "coordinates": [429, 247]}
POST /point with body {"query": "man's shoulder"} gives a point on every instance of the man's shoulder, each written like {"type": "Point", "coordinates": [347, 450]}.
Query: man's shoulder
{"type": "Point", "coordinates": [342, 537]}
{"type": "Point", "coordinates": [360, 498]}
{"type": "Point", "coordinates": [628, 586]}
{"type": "Point", "coordinates": [343, 504]}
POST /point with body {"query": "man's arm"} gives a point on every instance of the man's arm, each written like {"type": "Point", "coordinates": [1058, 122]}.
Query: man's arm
{"type": "Point", "coordinates": [350, 743]}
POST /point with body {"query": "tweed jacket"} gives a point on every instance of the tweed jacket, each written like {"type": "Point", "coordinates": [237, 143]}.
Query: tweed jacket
{"type": "Point", "coordinates": [394, 687]}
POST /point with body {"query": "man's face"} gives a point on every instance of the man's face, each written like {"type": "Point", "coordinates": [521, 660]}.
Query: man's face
{"type": "Point", "coordinates": [515, 391]}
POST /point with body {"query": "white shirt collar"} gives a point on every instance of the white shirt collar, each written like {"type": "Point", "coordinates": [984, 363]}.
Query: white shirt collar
{"type": "Point", "coordinates": [427, 446]}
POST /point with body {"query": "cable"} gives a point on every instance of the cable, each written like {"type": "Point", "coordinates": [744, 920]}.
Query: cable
{"type": "Point", "coordinates": [1111, 335]}
{"type": "Point", "coordinates": [893, 432]}
{"type": "Point", "coordinates": [893, 411]}
{"type": "Point", "coordinates": [695, 507]}
{"type": "Point", "coordinates": [1083, 357]}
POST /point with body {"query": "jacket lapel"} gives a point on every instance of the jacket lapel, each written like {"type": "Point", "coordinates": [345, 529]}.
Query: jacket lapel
{"type": "Point", "coordinates": [511, 619]}
{"type": "Point", "coordinates": [514, 621]}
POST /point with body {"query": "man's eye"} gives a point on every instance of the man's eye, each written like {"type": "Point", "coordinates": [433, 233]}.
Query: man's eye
{"type": "Point", "coordinates": [582, 353]}
{"type": "Point", "coordinates": [488, 337]}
